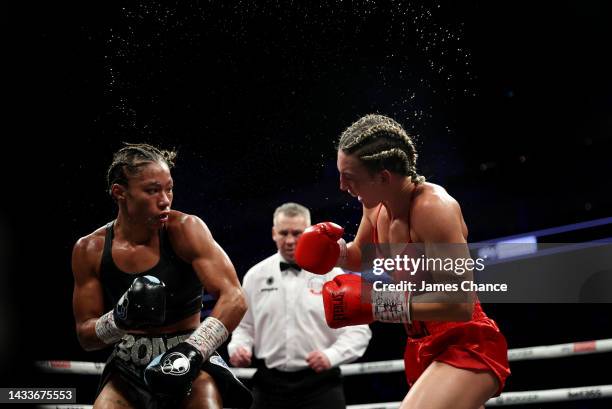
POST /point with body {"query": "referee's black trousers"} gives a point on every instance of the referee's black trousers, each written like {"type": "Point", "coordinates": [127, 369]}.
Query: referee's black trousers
{"type": "Point", "coordinates": [305, 389]}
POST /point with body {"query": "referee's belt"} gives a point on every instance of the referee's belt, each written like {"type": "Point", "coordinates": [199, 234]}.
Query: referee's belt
{"type": "Point", "coordinates": [293, 376]}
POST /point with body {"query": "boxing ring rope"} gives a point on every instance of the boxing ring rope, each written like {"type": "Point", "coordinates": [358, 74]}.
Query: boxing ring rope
{"type": "Point", "coordinates": [516, 398]}
{"type": "Point", "coordinates": [506, 398]}
{"type": "Point", "coordinates": [517, 354]}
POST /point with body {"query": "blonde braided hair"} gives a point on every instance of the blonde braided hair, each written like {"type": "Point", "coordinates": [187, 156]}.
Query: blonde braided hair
{"type": "Point", "coordinates": [381, 143]}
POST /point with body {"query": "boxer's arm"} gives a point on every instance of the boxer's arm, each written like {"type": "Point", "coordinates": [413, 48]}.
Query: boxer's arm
{"type": "Point", "coordinates": [244, 334]}
{"type": "Point", "coordinates": [437, 221]}
{"type": "Point", "coordinates": [87, 300]}
{"type": "Point", "coordinates": [194, 243]}
{"type": "Point", "coordinates": [362, 238]}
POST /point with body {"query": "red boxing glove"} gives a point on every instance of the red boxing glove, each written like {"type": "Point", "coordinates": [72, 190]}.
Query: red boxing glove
{"type": "Point", "coordinates": [350, 301]}
{"type": "Point", "coordinates": [319, 247]}
{"type": "Point", "coordinates": [344, 304]}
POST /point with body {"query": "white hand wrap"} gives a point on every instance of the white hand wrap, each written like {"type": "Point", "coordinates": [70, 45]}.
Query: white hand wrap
{"type": "Point", "coordinates": [209, 336]}
{"type": "Point", "coordinates": [106, 329]}
{"type": "Point", "coordinates": [343, 253]}
{"type": "Point", "coordinates": [391, 306]}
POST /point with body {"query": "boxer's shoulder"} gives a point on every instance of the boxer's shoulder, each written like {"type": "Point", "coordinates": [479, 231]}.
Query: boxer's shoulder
{"type": "Point", "coordinates": [430, 197]}
{"type": "Point", "coordinates": [188, 234]}
{"type": "Point", "coordinates": [436, 215]}
{"type": "Point", "coordinates": [91, 244]}
{"type": "Point", "coordinates": [87, 251]}
{"type": "Point", "coordinates": [179, 222]}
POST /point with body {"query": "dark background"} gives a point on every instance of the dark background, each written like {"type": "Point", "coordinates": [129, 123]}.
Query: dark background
{"type": "Point", "coordinates": [510, 104]}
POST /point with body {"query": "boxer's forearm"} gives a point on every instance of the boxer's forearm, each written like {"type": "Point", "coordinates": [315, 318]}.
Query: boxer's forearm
{"type": "Point", "coordinates": [230, 307]}
{"type": "Point", "coordinates": [86, 334]}
{"type": "Point", "coordinates": [215, 330]}
{"type": "Point", "coordinates": [352, 262]}
{"type": "Point", "coordinates": [441, 311]}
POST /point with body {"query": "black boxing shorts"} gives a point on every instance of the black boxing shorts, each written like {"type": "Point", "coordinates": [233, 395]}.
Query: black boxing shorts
{"type": "Point", "coordinates": [133, 353]}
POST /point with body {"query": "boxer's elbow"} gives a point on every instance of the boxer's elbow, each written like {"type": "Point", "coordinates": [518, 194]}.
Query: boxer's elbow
{"type": "Point", "coordinates": [87, 338]}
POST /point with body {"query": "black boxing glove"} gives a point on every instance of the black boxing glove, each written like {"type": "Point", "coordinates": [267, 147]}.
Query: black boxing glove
{"type": "Point", "coordinates": [173, 372]}
{"type": "Point", "coordinates": [142, 305]}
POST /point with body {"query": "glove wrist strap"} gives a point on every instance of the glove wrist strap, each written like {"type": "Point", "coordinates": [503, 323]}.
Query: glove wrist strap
{"type": "Point", "coordinates": [106, 329]}
{"type": "Point", "coordinates": [209, 336]}
{"type": "Point", "coordinates": [391, 306]}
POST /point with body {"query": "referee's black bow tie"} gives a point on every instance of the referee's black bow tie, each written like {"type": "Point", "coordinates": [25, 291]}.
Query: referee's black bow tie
{"type": "Point", "coordinates": [285, 266]}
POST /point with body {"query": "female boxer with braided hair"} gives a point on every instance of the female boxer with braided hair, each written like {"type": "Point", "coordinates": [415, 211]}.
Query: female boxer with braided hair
{"type": "Point", "coordinates": [138, 288]}
{"type": "Point", "coordinates": [455, 355]}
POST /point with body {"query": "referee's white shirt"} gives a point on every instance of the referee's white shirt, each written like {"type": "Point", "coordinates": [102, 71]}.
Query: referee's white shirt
{"type": "Point", "coordinates": [286, 320]}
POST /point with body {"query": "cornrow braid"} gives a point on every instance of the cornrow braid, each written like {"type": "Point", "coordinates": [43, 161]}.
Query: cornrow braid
{"type": "Point", "coordinates": [394, 131]}
{"type": "Point", "coordinates": [128, 160]}
{"type": "Point", "coordinates": [395, 152]}
{"type": "Point", "coordinates": [381, 143]}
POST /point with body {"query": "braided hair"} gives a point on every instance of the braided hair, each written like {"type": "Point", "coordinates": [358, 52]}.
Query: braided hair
{"type": "Point", "coordinates": [129, 160]}
{"type": "Point", "coordinates": [381, 143]}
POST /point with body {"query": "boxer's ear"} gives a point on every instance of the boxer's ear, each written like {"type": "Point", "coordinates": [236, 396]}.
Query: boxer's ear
{"type": "Point", "coordinates": [118, 192]}
{"type": "Point", "coordinates": [384, 176]}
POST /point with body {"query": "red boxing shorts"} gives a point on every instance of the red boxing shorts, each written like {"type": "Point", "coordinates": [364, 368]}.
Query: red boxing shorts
{"type": "Point", "coordinates": [476, 345]}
